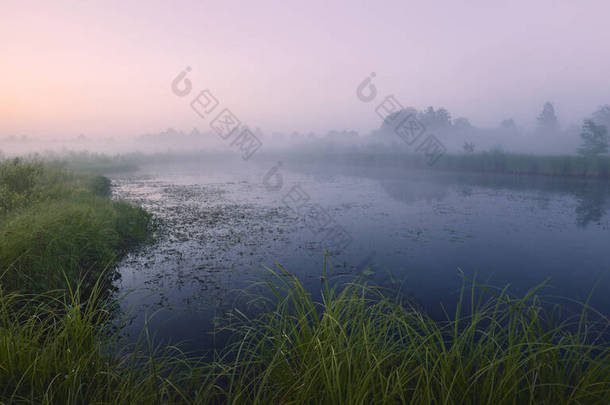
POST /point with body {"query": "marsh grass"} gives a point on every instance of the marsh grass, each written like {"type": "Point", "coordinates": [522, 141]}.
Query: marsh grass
{"type": "Point", "coordinates": [360, 346]}
{"type": "Point", "coordinates": [523, 164]}
{"type": "Point", "coordinates": [96, 163]}
{"type": "Point", "coordinates": [64, 351]}
{"type": "Point", "coordinates": [494, 161]}
{"type": "Point", "coordinates": [57, 224]}
{"type": "Point", "coordinates": [356, 345]}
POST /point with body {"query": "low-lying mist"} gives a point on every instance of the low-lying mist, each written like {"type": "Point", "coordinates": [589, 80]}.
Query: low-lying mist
{"type": "Point", "coordinates": [398, 131]}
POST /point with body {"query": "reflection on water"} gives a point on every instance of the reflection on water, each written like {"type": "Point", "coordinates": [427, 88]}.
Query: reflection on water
{"type": "Point", "coordinates": [591, 206]}
{"type": "Point", "coordinates": [591, 195]}
{"type": "Point", "coordinates": [219, 226]}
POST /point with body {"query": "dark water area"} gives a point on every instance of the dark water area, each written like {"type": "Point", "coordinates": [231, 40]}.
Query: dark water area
{"type": "Point", "coordinates": [416, 231]}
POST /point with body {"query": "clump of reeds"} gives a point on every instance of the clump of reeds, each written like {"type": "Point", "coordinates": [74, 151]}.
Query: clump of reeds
{"type": "Point", "coordinates": [355, 345]}
{"type": "Point", "coordinates": [359, 346]}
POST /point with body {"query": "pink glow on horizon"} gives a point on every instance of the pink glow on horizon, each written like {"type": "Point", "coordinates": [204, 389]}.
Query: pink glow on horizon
{"type": "Point", "coordinates": [104, 68]}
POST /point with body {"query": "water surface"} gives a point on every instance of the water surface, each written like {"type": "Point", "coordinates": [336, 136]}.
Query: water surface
{"type": "Point", "coordinates": [416, 231]}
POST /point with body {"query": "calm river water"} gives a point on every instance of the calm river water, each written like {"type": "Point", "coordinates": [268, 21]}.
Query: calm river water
{"type": "Point", "coordinates": [220, 224]}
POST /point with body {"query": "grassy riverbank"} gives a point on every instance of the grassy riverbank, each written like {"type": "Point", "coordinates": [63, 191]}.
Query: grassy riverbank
{"type": "Point", "coordinates": [493, 161]}
{"type": "Point", "coordinates": [595, 167]}
{"type": "Point", "coordinates": [97, 163]}
{"type": "Point", "coordinates": [59, 226]}
{"type": "Point", "coordinates": [523, 164]}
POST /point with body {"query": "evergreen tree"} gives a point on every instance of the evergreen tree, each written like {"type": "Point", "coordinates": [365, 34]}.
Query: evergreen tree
{"type": "Point", "coordinates": [547, 120]}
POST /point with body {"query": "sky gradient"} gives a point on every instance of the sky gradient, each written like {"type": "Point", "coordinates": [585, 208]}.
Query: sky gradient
{"type": "Point", "coordinates": [105, 68]}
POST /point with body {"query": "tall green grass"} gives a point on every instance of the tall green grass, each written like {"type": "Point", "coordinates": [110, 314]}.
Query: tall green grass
{"type": "Point", "coordinates": [356, 345]}
{"type": "Point", "coordinates": [64, 351]}
{"type": "Point", "coordinates": [58, 225]}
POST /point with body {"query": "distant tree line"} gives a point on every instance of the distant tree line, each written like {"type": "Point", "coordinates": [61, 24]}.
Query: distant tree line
{"type": "Point", "coordinates": [594, 132]}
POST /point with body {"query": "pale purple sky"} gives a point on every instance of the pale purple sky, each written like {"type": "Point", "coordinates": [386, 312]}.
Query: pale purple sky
{"type": "Point", "coordinates": [104, 68]}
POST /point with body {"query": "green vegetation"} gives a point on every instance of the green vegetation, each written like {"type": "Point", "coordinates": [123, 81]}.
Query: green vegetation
{"type": "Point", "coordinates": [97, 163]}
{"type": "Point", "coordinates": [522, 164]}
{"type": "Point", "coordinates": [57, 225]}
{"type": "Point", "coordinates": [495, 161]}
{"type": "Point", "coordinates": [594, 139]}
{"type": "Point", "coordinates": [63, 354]}
{"type": "Point", "coordinates": [355, 345]}
{"type": "Point", "coordinates": [359, 346]}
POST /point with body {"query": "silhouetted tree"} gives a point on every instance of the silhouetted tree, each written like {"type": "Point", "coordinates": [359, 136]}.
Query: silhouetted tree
{"type": "Point", "coordinates": [547, 120]}
{"type": "Point", "coordinates": [602, 116]}
{"type": "Point", "coordinates": [440, 118]}
{"type": "Point", "coordinates": [594, 139]}
{"type": "Point", "coordinates": [427, 117]}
